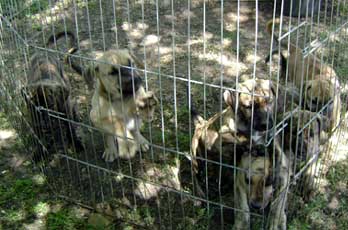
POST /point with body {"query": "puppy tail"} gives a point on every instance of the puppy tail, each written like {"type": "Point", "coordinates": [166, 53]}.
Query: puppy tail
{"type": "Point", "coordinates": [275, 50]}
{"type": "Point", "coordinates": [55, 37]}
{"type": "Point", "coordinates": [73, 49]}
{"type": "Point", "coordinates": [75, 65]}
{"type": "Point", "coordinates": [195, 117]}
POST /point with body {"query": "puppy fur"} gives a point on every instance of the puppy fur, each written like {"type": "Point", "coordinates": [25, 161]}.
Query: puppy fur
{"type": "Point", "coordinates": [119, 104]}
{"type": "Point", "coordinates": [256, 102]}
{"type": "Point", "coordinates": [49, 87]}
{"type": "Point", "coordinates": [320, 85]}
{"type": "Point", "coordinates": [301, 144]}
{"type": "Point", "coordinates": [256, 171]}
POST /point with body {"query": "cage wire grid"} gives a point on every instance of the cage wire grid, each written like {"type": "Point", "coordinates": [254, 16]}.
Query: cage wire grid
{"type": "Point", "coordinates": [203, 47]}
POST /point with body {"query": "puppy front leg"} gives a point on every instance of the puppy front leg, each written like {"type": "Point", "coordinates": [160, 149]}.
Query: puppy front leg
{"type": "Point", "coordinates": [122, 144]}
{"type": "Point", "coordinates": [277, 215]}
{"type": "Point", "coordinates": [111, 148]}
{"type": "Point", "coordinates": [242, 217]}
{"type": "Point", "coordinates": [127, 145]}
{"type": "Point", "coordinates": [144, 143]}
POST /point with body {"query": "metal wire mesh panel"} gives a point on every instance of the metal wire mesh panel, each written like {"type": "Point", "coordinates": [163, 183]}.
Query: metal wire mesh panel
{"type": "Point", "coordinates": [183, 114]}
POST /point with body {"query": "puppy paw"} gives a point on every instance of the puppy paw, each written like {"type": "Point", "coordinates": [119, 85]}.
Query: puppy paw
{"type": "Point", "coordinates": [143, 142]}
{"type": "Point", "coordinates": [127, 149]}
{"type": "Point", "coordinates": [109, 155]}
{"type": "Point", "coordinates": [148, 100]}
{"type": "Point", "coordinates": [144, 147]}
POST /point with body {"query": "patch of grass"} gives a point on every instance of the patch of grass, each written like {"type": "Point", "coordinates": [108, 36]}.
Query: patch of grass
{"type": "Point", "coordinates": [37, 6]}
{"type": "Point", "coordinates": [65, 220]}
{"type": "Point", "coordinates": [17, 200]}
{"type": "Point", "coordinates": [4, 124]}
{"type": "Point", "coordinates": [12, 7]}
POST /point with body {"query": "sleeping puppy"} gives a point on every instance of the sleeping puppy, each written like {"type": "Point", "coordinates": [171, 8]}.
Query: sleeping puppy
{"type": "Point", "coordinates": [119, 104]}
{"type": "Point", "coordinates": [261, 186]}
{"type": "Point", "coordinates": [320, 85]}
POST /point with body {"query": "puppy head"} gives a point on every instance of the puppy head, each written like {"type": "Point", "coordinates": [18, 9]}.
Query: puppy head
{"type": "Point", "coordinates": [263, 99]}
{"type": "Point", "coordinates": [115, 70]}
{"type": "Point", "coordinates": [317, 93]}
{"type": "Point", "coordinates": [259, 177]}
{"type": "Point", "coordinates": [307, 141]}
{"type": "Point", "coordinates": [145, 104]}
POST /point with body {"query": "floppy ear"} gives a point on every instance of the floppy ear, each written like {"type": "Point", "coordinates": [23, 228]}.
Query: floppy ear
{"type": "Point", "coordinates": [324, 128]}
{"type": "Point", "coordinates": [272, 85]}
{"type": "Point", "coordinates": [230, 98]}
{"type": "Point", "coordinates": [324, 123]}
{"type": "Point", "coordinates": [137, 61]}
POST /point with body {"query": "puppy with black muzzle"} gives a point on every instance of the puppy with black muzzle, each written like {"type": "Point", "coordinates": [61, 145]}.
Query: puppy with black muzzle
{"type": "Point", "coordinates": [256, 102]}
{"type": "Point", "coordinates": [119, 104]}
{"type": "Point", "coordinates": [262, 178]}
{"type": "Point", "coordinates": [320, 85]}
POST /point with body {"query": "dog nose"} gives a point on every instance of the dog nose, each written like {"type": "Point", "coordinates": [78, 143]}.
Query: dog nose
{"type": "Point", "coordinates": [255, 205]}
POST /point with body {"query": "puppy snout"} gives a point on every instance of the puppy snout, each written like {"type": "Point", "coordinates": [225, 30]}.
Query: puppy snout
{"type": "Point", "coordinates": [255, 205]}
{"type": "Point", "coordinates": [265, 124]}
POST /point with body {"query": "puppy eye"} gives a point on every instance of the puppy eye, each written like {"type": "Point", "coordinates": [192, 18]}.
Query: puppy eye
{"type": "Point", "coordinates": [114, 71]}
{"type": "Point", "coordinates": [269, 181]}
{"type": "Point", "coordinates": [247, 181]}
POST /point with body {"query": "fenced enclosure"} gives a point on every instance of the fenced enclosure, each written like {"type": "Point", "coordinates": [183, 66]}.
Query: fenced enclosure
{"type": "Point", "coordinates": [192, 52]}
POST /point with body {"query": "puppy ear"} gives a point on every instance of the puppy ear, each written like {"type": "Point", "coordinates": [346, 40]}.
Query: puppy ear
{"type": "Point", "coordinates": [229, 98]}
{"type": "Point", "coordinates": [273, 88]}
{"type": "Point", "coordinates": [324, 128]}
{"type": "Point", "coordinates": [137, 61]}
{"type": "Point", "coordinates": [324, 123]}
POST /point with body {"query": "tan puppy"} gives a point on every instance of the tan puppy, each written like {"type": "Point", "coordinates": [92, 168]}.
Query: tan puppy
{"type": "Point", "coordinates": [236, 128]}
{"type": "Point", "coordinates": [303, 144]}
{"type": "Point", "coordinates": [318, 80]}
{"type": "Point", "coordinates": [258, 183]}
{"type": "Point", "coordinates": [318, 94]}
{"type": "Point", "coordinates": [256, 104]}
{"type": "Point", "coordinates": [119, 104]}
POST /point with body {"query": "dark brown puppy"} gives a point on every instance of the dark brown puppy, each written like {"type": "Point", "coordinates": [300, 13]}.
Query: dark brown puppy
{"type": "Point", "coordinates": [47, 92]}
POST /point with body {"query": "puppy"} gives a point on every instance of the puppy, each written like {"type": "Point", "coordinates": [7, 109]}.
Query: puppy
{"type": "Point", "coordinates": [320, 85]}
{"type": "Point", "coordinates": [235, 128]}
{"type": "Point", "coordinates": [256, 103]}
{"type": "Point", "coordinates": [319, 93]}
{"type": "Point", "coordinates": [119, 104]}
{"type": "Point", "coordinates": [303, 143]}
{"type": "Point", "coordinates": [257, 182]}
{"type": "Point", "coordinates": [48, 87]}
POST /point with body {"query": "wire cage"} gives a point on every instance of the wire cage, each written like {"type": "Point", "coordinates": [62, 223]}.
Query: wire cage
{"type": "Point", "coordinates": [204, 61]}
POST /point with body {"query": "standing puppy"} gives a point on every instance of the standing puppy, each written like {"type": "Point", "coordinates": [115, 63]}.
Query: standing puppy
{"type": "Point", "coordinates": [48, 91]}
{"type": "Point", "coordinates": [119, 104]}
